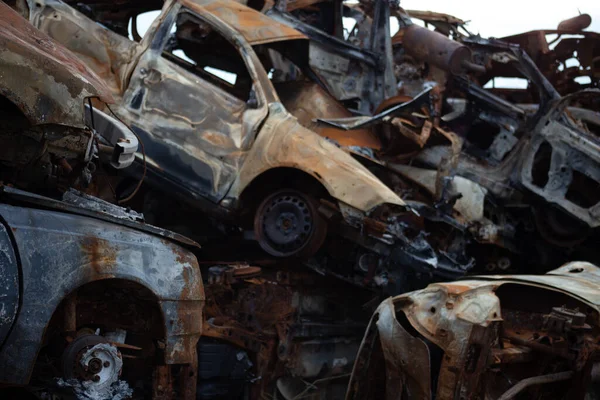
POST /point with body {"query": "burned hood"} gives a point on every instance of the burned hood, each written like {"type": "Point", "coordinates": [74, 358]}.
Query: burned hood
{"type": "Point", "coordinates": [57, 81]}
{"type": "Point", "coordinates": [256, 28]}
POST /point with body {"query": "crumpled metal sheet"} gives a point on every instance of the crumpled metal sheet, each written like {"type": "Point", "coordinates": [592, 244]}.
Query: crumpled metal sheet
{"type": "Point", "coordinates": [464, 320]}
{"type": "Point", "coordinates": [57, 82]}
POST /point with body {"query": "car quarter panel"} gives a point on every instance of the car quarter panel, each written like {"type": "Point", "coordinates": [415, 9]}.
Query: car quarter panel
{"type": "Point", "coordinates": [283, 142]}
{"type": "Point", "coordinates": [60, 252]}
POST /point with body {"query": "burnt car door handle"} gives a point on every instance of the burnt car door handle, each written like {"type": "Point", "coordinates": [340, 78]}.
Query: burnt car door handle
{"type": "Point", "coordinates": [150, 76]}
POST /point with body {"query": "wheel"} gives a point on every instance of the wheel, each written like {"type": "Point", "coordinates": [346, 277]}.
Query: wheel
{"type": "Point", "coordinates": [91, 359]}
{"type": "Point", "coordinates": [288, 224]}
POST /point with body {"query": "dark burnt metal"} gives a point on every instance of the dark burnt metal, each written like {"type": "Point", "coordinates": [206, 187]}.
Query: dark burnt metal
{"type": "Point", "coordinates": [81, 204]}
{"type": "Point", "coordinates": [60, 251]}
{"type": "Point", "coordinates": [354, 123]}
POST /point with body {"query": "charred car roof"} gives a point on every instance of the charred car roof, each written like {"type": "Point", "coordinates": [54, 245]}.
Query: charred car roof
{"type": "Point", "coordinates": [256, 28]}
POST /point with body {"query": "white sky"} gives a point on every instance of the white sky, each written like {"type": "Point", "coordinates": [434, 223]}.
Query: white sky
{"type": "Point", "coordinates": [493, 18]}
{"type": "Point", "coordinates": [506, 17]}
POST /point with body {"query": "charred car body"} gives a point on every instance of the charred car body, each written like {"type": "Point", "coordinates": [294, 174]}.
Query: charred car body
{"type": "Point", "coordinates": [93, 303]}
{"type": "Point", "coordinates": [500, 337]}
{"type": "Point", "coordinates": [241, 153]}
{"type": "Point", "coordinates": [509, 178]}
{"type": "Point", "coordinates": [47, 140]}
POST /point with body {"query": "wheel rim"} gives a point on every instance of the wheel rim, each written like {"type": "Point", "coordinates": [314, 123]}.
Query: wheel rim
{"type": "Point", "coordinates": [286, 224]}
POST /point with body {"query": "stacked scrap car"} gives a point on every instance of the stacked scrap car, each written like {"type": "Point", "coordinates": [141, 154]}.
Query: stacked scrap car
{"type": "Point", "coordinates": [382, 162]}
{"type": "Point", "coordinates": [93, 302]}
{"type": "Point", "coordinates": [240, 157]}
{"type": "Point", "coordinates": [471, 156]}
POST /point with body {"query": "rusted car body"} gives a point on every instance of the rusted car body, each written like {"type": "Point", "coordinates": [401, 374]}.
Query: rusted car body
{"type": "Point", "coordinates": [76, 280]}
{"type": "Point", "coordinates": [230, 134]}
{"type": "Point", "coordinates": [241, 152]}
{"type": "Point", "coordinates": [92, 301]}
{"type": "Point", "coordinates": [450, 137]}
{"type": "Point", "coordinates": [45, 134]}
{"type": "Point", "coordinates": [501, 337]}
{"type": "Point", "coordinates": [355, 67]}
{"type": "Point", "coordinates": [568, 56]}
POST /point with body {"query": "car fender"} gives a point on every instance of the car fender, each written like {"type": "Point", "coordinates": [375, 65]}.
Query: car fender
{"type": "Point", "coordinates": [61, 252]}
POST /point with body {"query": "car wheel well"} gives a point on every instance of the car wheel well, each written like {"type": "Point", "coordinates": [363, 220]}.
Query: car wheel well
{"type": "Point", "coordinates": [281, 178]}
{"type": "Point", "coordinates": [107, 305]}
{"type": "Point", "coordinates": [98, 312]}
{"type": "Point", "coordinates": [11, 116]}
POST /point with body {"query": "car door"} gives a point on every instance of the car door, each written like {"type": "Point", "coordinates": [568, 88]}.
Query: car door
{"type": "Point", "coordinates": [193, 101]}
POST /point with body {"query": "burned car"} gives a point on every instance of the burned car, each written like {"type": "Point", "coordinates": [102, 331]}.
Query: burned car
{"type": "Point", "coordinates": [459, 150]}
{"type": "Point", "coordinates": [568, 56]}
{"type": "Point", "coordinates": [93, 302]}
{"type": "Point", "coordinates": [51, 133]}
{"type": "Point", "coordinates": [500, 337]}
{"type": "Point", "coordinates": [239, 160]}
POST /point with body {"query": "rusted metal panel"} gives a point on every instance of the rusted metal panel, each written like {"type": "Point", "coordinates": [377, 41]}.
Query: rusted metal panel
{"type": "Point", "coordinates": [309, 102]}
{"type": "Point", "coordinates": [41, 77]}
{"type": "Point", "coordinates": [255, 27]}
{"type": "Point", "coordinates": [401, 349]}
{"type": "Point", "coordinates": [60, 252]}
{"type": "Point", "coordinates": [478, 323]}
{"type": "Point", "coordinates": [283, 142]}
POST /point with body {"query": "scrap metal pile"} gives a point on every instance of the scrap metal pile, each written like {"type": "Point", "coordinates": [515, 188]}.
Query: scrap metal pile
{"type": "Point", "coordinates": [323, 161]}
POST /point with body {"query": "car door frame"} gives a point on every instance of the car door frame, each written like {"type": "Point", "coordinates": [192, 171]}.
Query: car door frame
{"type": "Point", "coordinates": [152, 46]}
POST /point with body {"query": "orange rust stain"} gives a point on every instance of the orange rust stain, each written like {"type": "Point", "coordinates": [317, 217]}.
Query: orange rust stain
{"type": "Point", "coordinates": [102, 257]}
{"type": "Point", "coordinates": [456, 288]}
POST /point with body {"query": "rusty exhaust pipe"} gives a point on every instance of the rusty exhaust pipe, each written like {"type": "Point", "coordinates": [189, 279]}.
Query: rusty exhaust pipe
{"type": "Point", "coordinates": [575, 24]}
{"type": "Point", "coordinates": [436, 49]}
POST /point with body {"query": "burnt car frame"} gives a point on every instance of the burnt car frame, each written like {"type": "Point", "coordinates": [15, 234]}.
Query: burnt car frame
{"type": "Point", "coordinates": [241, 154]}
{"type": "Point", "coordinates": [515, 336]}
{"type": "Point", "coordinates": [51, 132]}
{"type": "Point", "coordinates": [92, 297]}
